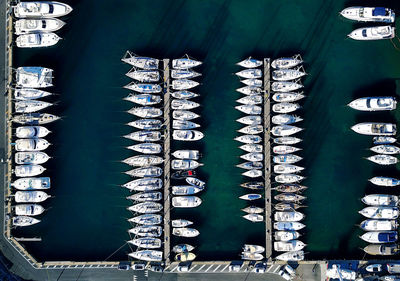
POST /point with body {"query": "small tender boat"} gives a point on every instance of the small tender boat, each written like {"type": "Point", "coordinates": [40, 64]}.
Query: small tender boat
{"type": "Point", "coordinates": [380, 212]}
{"type": "Point", "coordinates": [31, 157]}
{"type": "Point", "coordinates": [254, 217]}
{"type": "Point", "coordinates": [374, 103]}
{"type": "Point", "coordinates": [146, 148]}
{"type": "Point", "coordinates": [289, 197]}
{"type": "Point", "coordinates": [185, 189]}
{"type": "Point", "coordinates": [253, 210]}
{"type": "Point", "coordinates": [144, 136]}
{"type": "Point", "coordinates": [288, 97]}
{"type": "Point", "coordinates": [185, 232]}
{"type": "Point", "coordinates": [250, 73]}
{"type": "Point", "coordinates": [249, 109]}
{"type": "Point", "coordinates": [380, 236]}
{"type": "Point", "coordinates": [144, 88]}
{"type": "Point", "coordinates": [288, 216]}
{"type": "Point", "coordinates": [249, 139]}
{"type": "Point", "coordinates": [286, 235]}
{"type": "Point", "coordinates": [285, 86]}
{"type": "Point", "coordinates": [255, 185]}
{"type": "Point", "coordinates": [141, 62]}
{"type": "Point", "coordinates": [145, 196]}
{"type": "Point", "coordinates": [35, 118]}
{"type": "Point", "coordinates": [287, 169]}
{"type": "Point", "coordinates": [290, 188]}
{"type": "Point", "coordinates": [184, 164]}
{"type": "Point", "coordinates": [252, 147]}
{"type": "Point", "coordinates": [285, 130]}
{"type": "Point", "coordinates": [251, 256]}
{"type": "Point", "coordinates": [253, 173]}
{"type": "Point", "coordinates": [147, 255]}
{"type": "Point", "coordinates": [383, 159]}
{"type": "Point", "coordinates": [250, 63]}
{"type": "Point", "coordinates": [143, 99]}
{"type": "Point", "coordinates": [30, 94]}
{"type": "Point", "coordinates": [183, 174]}
{"type": "Point", "coordinates": [186, 154]}
{"type": "Point", "coordinates": [146, 208]}
{"type": "Point", "coordinates": [286, 159]}
{"type": "Point", "coordinates": [250, 196]}
{"type": "Point", "coordinates": [34, 77]}
{"type": "Point", "coordinates": [184, 115]}
{"type": "Point", "coordinates": [291, 256]}
{"type": "Point", "coordinates": [285, 107]}
{"type": "Point", "coordinates": [144, 75]}
{"type": "Point", "coordinates": [28, 170]}
{"type": "Point", "coordinates": [285, 63]}
{"type": "Point", "coordinates": [288, 246]}
{"type": "Point", "coordinates": [288, 226]}
{"type": "Point", "coordinates": [143, 184]}
{"type": "Point", "coordinates": [287, 140]}
{"type": "Point", "coordinates": [383, 250]}
{"type": "Point", "coordinates": [373, 33]}
{"type": "Point", "coordinates": [31, 183]}
{"type": "Point", "coordinates": [29, 106]}
{"type": "Point", "coordinates": [287, 74]}
{"type": "Point", "coordinates": [285, 119]}
{"type": "Point", "coordinates": [287, 206]}
{"type": "Point", "coordinates": [185, 257]}
{"type": "Point", "coordinates": [37, 40]}
{"type": "Point", "coordinates": [180, 248]}
{"type": "Point", "coordinates": [24, 221]}
{"type": "Point", "coordinates": [184, 84]}
{"type": "Point", "coordinates": [184, 104]}
{"type": "Point", "coordinates": [187, 135]}
{"type": "Point", "coordinates": [378, 225]}
{"type": "Point", "coordinates": [285, 149]}
{"type": "Point", "coordinates": [184, 125]}
{"type": "Point", "coordinates": [383, 140]}
{"type": "Point", "coordinates": [185, 63]}
{"type": "Point", "coordinates": [252, 82]}
{"type": "Point", "coordinates": [181, 223]}
{"type": "Point", "coordinates": [147, 219]}
{"type": "Point", "coordinates": [253, 156]}
{"type": "Point", "coordinates": [195, 182]}
{"type": "Point", "coordinates": [146, 242]}
{"type": "Point", "coordinates": [184, 74]}
{"type": "Point", "coordinates": [28, 209]}
{"type": "Point", "coordinates": [186, 201]}
{"type": "Point", "coordinates": [250, 120]}
{"type": "Point", "coordinates": [150, 171]}
{"type": "Point", "coordinates": [256, 249]}
{"type": "Point", "coordinates": [380, 200]}
{"type": "Point", "coordinates": [143, 160]}
{"type": "Point", "coordinates": [255, 99]}
{"type": "Point", "coordinates": [386, 149]}
{"type": "Point", "coordinates": [374, 129]}
{"type": "Point", "coordinates": [184, 94]}
{"type": "Point", "coordinates": [369, 14]}
{"type": "Point", "coordinates": [146, 112]}
{"type": "Point", "coordinates": [384, 181]}
{"type": "Point", "coordinates": [250, 165]}
{"type": "Point", "coordinates": [250, 90]}
{"type": "Point", "coordinates": [41, 9]}
{"type": "Point", "coordinates": [30, 196]}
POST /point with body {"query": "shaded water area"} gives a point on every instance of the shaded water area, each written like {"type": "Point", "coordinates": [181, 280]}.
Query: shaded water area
{"type": "Point", "coordinates": [86, 218]}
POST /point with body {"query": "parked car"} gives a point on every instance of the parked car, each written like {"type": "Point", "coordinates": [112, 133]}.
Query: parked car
{"type": "Point", "coordinates": [124, 266]}
{"type": "Point", "coordinates": [138, 266]}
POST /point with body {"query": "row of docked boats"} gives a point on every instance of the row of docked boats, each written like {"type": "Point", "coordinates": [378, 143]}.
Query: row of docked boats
{"type": "Point", "coordinates": [30, 143]}
{"type": "Point", "coordinates": [37, 23]}
{"type": "Point", "coordinates": [286, 75]}
{"type": "Point", "coordinates": [371, 14]}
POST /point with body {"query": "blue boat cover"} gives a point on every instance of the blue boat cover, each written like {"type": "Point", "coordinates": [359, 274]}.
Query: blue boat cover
{"type": "Point", "coordinates": [379, 11]}
{"type": "Point", "coordinates": [387, 237]}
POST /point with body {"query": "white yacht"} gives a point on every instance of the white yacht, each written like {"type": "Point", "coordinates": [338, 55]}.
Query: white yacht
{"type": "Point", "coordinates": [252, 130]}
{"type": "Point", "coordinates": [250, 90]}
{"type": "Point", "coordinates": [35, 157]}
{"type": "Point", "coordinates": [285, 119]}
{"type": "Point", "coordinates": [375, 129]}
{"type": "Point", "coordinates": [336, 272]}
{"type": "Point", "coordinates": [184, 84]}
{"type": "Point", "coordinates": [24, 221]}
{"type": "Point", "coordinates": [34, 77]}
{"type": "Point", "coordinates": [250, 120]}
{"type": "Point", "coordinates": [185, 189]}
{"type": "Point", "coordinates": [288, 178]}
{"type": "Point", "coordinates": [287, 74]}
{"type": "Point", "coordinates": [251, 196]}
{"type": "Point", "coordinates": [250, 165]}
{"type": "Point", "coordinates": [147, 219]}
{"type": "Point", "coordinates": [185, 63]}
{"type": "Point", "coordinates": [184, 164]}
{"type": "Point", "coordinates": [250, 63]}
{"type": "Point", "coordinates": [184, 94]}
{"type": "Point", "coordinates": [380, 200]}
{"type": "Point", "coordinates": [141, 62]}
{"type": "Point", "coordinates": [378, 225]}
{"type": "Point", "coordinates": [285, 107]}
{"type": "Point", "coordinates": [182, 248]}
{"type": "Point", "coordinates": [184, 74]}
{"type": "Point", "coordinates": [249, 139]}
{"type": "Point", "coordinates": [288, 96]}
{"type": "Point", "coordinates": [369, 14]}
{"type": "Point", "coordinates": [181, 223]}
{"type": "Point", "coordinates": [253, 156]}
{"type": "Point", "coordinates": [29, 106]}
{"type": "Point", "coordinates": [249, 109]}
{"type": "Point", "coordinates": [380, 236]}
{"type": "Point", "coordinates": [30, 94]}
{"type": "Point", "coordinates": [254, 217]}
{"type": "Point", "coordinates": [288, 216]}
{"type": "Point", "coordinates": [144, 75]}
{"type": "Point", "coordinates": [289, 197]}
{"type": "Point", "coordinates": [184, 125]}
{"type": "Point", "coordinates": [254, 173]}
{"type": "Point", "coordinates": [251, 256]}
{"type": "Point", "coordinates": [285, 149]}
{"type": "Point", "coordinates": [28, 209]}
{"type": "Point", "coordinates": [285, 86]}
{"type": "Point", "coordinates": [146, 230]}
{"type": "Point", "coordinates": [184, 104]}
{"type": "Point", "coordinates": [146, 112]}
{"type": "Point", "coordinates": [147, 255]}
{"type": "Point", "coordinates": [185, 232]}
{"type": "Point", "coordinates": [380, 212]}
{"type": "Point", "coordinates": [285, 130]}
{"type": "Point", "coordinates": [288, 226]}
{"type": "Point", "coordinates": [285, 63]}
{"type": "Point", "coordinates": [146, 148]}
{"type": "Point", "coordinates": [143, 160]}
{"type": "Point", "coordinates": [291, 256]}
{"type": "Point", "coordinates": [285, 159]}
{"type": "Point", "coordinates": [143, 99]}
{"type": "Point", "coordinates": [146, 124]}
{"type": "Point", "coordinates": [253, 248]}
{"type": "Point", "coordinates": [35, 40]}
{"type": "Point", "coordinates": [184, 115]}
{"type": "Point", "coordinates": [143, 184]}
{"type": "Point", "coordinates": [146, 207]}
{"type": "Point", "coordinates": [41, 9]}
{"type": "Point", "coordinates": [144, 88]}
{"type": "Point", "coordinates": [255, 99]}
{"type": "Point", "coordinates": [252, 147]}
{"type": "Point", "coordinates": [253, 210]}
{"type": "Point", "coordinates": [24, 26]}
{"type": "Point", "coordinates": [30, 196]}
{"type": "Point", "coordinates": [383, 159]}
{"type": "Point", "coordinates": [252, 82]}
{"type": "Point", "coordinates": [385, 181]}
{"type": "Point", "coordinates": [195, 182]}
{"type": "Point", "coordinates": [287, 168]}
{"type": "Point", "coordinates": [373, 33]}
{"type": "Point", "coordinates": [289, 246]}
{"type": "Point", "coordinates": [186, 154]}
{"type": "Point", "coordinates": [374, 103]}
{"type": "Point", "coordinates": [31, 144]}
{"type": "Point", "coordinates": [146, 242]}
{"type": "Point", "coordinates": [146, 196]}
{"type": "Point", "coordinates": [186, 201]}
{"type": "Point", "coordinates": [386, 149]}
{"type": "Point", "coordinates": [286, 235]}
{"type": "Point", "coordinates": [35, 118]}
{"type": "Point", "coordinates": [187, 135]}
{"type": "Point", "coordinates": [287, 140]}
{"type": "Point", "coordinates": [31, 183]}
{"type": "Point", "coordinates": [250, 73]}
{"type": "Point", "coordinates": [144, 136]}
{"type": "Point", "coordinates": [383, 140]}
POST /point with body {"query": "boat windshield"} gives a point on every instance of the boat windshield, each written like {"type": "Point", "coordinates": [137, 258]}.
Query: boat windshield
{"type": "Point", "coordinates": [379, 11]}
{"type": "Point", "coordinates": [364, 33]}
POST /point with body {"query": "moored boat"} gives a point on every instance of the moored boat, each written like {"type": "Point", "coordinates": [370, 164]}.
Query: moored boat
{"type": "Point", "coordinates": [143, 99]}
{"type": "Point", "coordinates": [186, 154]}
{"type": "Point", "coordinates": [186, 201]}
{"type": "Point", "coordinates": [144, 136]}
{"type": "Point", "coordinates": [253, 210]}
{"type": "Point", "coordinates": [185, 63]}
{"type": "Point", "coordinates": [288, 246]}
{"type": "Point", "coordinates": [286, 159]}
{"type": "Point", "coordinates": [250, 165]}
{"type": "Point", "coordinates": [30, 196]}
{"type": "Point", "coordinates": [184, 104]}
{"type": "Point", "coordinates": [285, 86]}
{"type": "Point", "coordinates": [34, 77]}
{"type": "Point", "coordinates": [184, 74]}
{"type": "Point", "coordinates": [181, 223]}
{"type": "Point", "coordinates": [252, 147]}
{"type": "Point", "coordinates": [146, 242]}
{"type": "Point", "coordinates": [185, 189]}
{"type": "Point", "coordinates": [380, 212]}
{"type": "Point", "coordinates": [255, 185]}
{"type": "Point", "coordinates": [180, 248]}
{"type": "Point", "coordinates": [146, 207]}
{"type": "Point", "coordinates": [146, 196]}
{"type": "Point", "coordinates": [372, 128]}
{"type": "Point", "coordinates": [384, 181]}
{"type": "Point", "coordinates": [255, 99]}
{"type": "Point", "coordinates": [146, 112]}
{"type": "Point", "coordinates": [141, 62]}
{"type": "Point", "coordinates": [185, 257]}
{"type": "Point", "coordinates": [41, 9]}
{"type": "Point", "coordinates": [184, 84]}
{"type": "Point", "coordinates": [385, 149]}
{"type": "Point", "coordinates": [285, 119]}
{"type": "Point", "coordinates": [291, 256]}
{"type": "Point", "coordinates": [383, 250]}
{"type": "Point", "coordinates": [146, 219]}
{"type": "Point", "coordinates": [144, 88]}
{"type": "Point", "coordinates": [373, 33]}
{"type": "Point", "coordinates": [286, 62]}
{"type": "Point", "coordinates": [383, 140]}
{"type": "Point", "coordinates": [147, 255]}
{"type": "Point", "coordinates": [184, 164]}
{"type": "Point", "coordinates": [187, 135]}
{"type": "Point", "coordinates": [284, 149]}
{"type": "Point", "coordinates": [288, 226]}
{"type": "Point", "coordinates": [184, 115]}
{"type": "Point", "coordinates": [250, 73]}
{"type": "Point", "coordinates": [286, 235]}
{"type": "Point", "coordinates": [249, 139]}
{"type": "Point", "coordinates": [37, 40]}
{"type": "Point", "coordinates": [28, 209]}
{"type": "Point", "coordinates": [288, 96]}
{"type": "Point", "coordinates": [185, 232]}
{"type": "Point", "coordinates": [143, 160]}
{"type": "Point", "coordinates": [250, 90]}
{"type": "Point", "coordinates": [287, 140]}
{"type": "Point", "coordinates": [374, 103]}
{"type": "Point", "coordinates": [289, 197]}
{"type": "Point", "coordinates": [250, 109]}
{"type": "Point", "coordinates": [30, 94]}
{"type": "Point", "coordinates": [379, 236]}
{"type": "Point", "coordinates": [383, 159]}
{"type": "Point", "coordinates": [24, 221]}
{"type": "Point", "coordinates": [369, 14]}
{"type": "Point", "coordinates": [378, 225]}
{"type": "Point", "coordinates": [29, 157]}
{"type": "Point", "coordinates": [146, 148]}
{"type": "Point", "coordinates": [253, 173]}
{"type": "Point", "coordinates": [35, 118]}
{"type": "Point", "coordinates": [184, 94]}
{"type": "Point", "coordinates": [287, 74]}
{"type": "Point", "coordinates": [144, 75]}
{"type": "Point", "coordinates": [290, 188]}
{"type": "Point", "coordinates": [288, 216]}
{"type": "Point", "coordinates": [287, 169]}
{"type": "Point", "coordinates": [30, 183]}
{"type": "Point", "coordinates": [250, 63]}
{"type": "Point", "coordinates": [254, 217]}
{"type": "Point", "coordinates": [285, 107]}
{"type": "Point", "coordinates": [380, 200]}
{"type": "Point", "coordinates": [285, 130]}
{"type": "Point", "coordinates": [184, 125]}
{"type": "Point", "coordinates": [30, 170]}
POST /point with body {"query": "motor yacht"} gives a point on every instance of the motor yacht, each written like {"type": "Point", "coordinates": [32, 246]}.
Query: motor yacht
{"type": "Point", "coordinates": [288, 96]}
{"type": "Point", "coordinates": [374, 104]}
{"type": "Point", "coordinates": [184, 164]}
{"type": "Point", "coordinates": [251, 100]}
{"type": "Point", "coordinates": [378, 225]}
{"type": "Point", "coordinates": [289, 246]}
{"type": "Point", "coordinates": [185, 257]}
{"type": "Point", "coordinates": [184, 94]}
{"type": "Point", "coordinates": [30, 196]}
{"type": "Point", "coordinates": [185, 232]}
{"type": "Point", "coordinates": [35, 118]}
{"type": "Point", "coordinates": [181, 223]}
{"type": "Point", "coordinates": [24, 221]}
{"type": "Point", "coordinates": [143, 99]}
{"type": "Point", "coordinates": [383, 159]}
{"type": "Point", "coordinates": [185, 63]}
{"type": "Point", "coordinates": [142, 62]}
{"type": "Point", "coordinates": [285, 107]}
{"type": "Point", "coordinates": [288, 62]}
{"type": "Point", "coordinates": [180, 248]}
{"type": "Point", "coordinates": [250, 90]}
{"type": "Point", "coordinates": [146, 242]}
{"type": "Point", "coordinates": [28, 170]}
{"type": "Point", "coordinates": [28, 209]}
{"type": "Point", "coordinates": [144, 88]}
{"type": "Point", "coordinates": [144, 136]}
{"type": "Point", "coordinates": [146, 112]}
{"type": "Point", "coordinates": [36, 40]}
{"type": "Point", "coordinates": [146, 196]}
{"type": "Point", "coordinates": [386, 149]}
{"type": "Point", "coordinates": [31, 144]}
{"type": "Point", "coordinates": [184, 84]}
{"type": "Point", "coordinates": [195, 182]}
{"type": "Point", "coordinates": [291, 226]}
{"type": "Point", "coordinates": [375, 129]}
{"type": "Point", "coordinates": [147, 255]}
{"type": "Point", "coordinates": [185, 190]}
{"type": "Point", "coordinates": [254, 217]}
{"type": "Point", "coordinates": [146, 207]}
{"type": "Point", "coordinates": [250, 73]}
{"type": "Point", "coordinates": [143, 160]}
{"type": "Point", "coordinates": [288, 216]}
{"type": "Point", "coordinates": [383, 140]}
{"type": "Point", "coordinates": [186, 154]}
{"type": "Point", "coordinates": [250, 120]}
{"type": "Point", "coordinates": [252, 147]}
{"type": "Point", "coordinates": [146, 124]}
{"type": "Point", "coordinates": [183, 104]}
{"type": "Point", "coordinates": [30, 94]}
{"type": "Point", "coordinates": [250, 63]}
{"type": "Point", "coordinates": [30, 183]}
{"type": "Point", "coordinates": [336, 272]}
{"type": "Point", "coordinates": [187, 135]}
{"type": "Point", "coordinates": [286, 235]}
{"type": "Point", "coordinates": [186, 201]}
{"type": "Point", "coordinates": [146, 219]}
{"type": "Point", "coordinates": [31, 157]}
{"type": "Point", "coordinates": [380, 200]}
{"type": "Point", "coordinates": [385, 181]}
{"type": "Point", "coordinates": [286, 159]}
{"type": "Point", "coordinates": [382, 250]}
{"type": "Point", "coordinates": [41, 9]}
{"type": "Point", "coordinates": [144, 75]}
{"type": "Point", "coordinates": [284, 149]}
{"type": "Point", "coordinates": [380, 236]}
{"type": "Point", "coordinates": [25, 26]}
{"type": "Point", "coordinates": [373, 33]}
{"type": "Point", "coordinates": [29, 106]}
{"type": "Point", "coordinates": [146, 148]}
{"type": "Point", "coordinates": [285, 119]}
{"type": "Point", "coordinates": [291, 256]}
{"type": "Point", "coordinates": [249, 139]}
{"type": "Point", "coordinates": [380, 212]}
{"type": "Point", "coordinates": [184, 115]}
{"type": "Point", "coordinates": [34, 77]}
{"type": "Point", "coordinates": [369, 14]}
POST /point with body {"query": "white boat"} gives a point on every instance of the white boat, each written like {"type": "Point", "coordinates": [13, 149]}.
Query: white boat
{"type": "Point", "coordinates": [288, 97]}
{"type": "Point", "coordinates": [284, 149]}
{"type": "Point", "coordinates": [24, 221]}
{"type": "Point", "coordinates": [250, 120]}
{"type": "Point", "coordinates": [31, 183]}
{"type": "Point", "coordinates": [35, 118]}
{"type": "Point", "coordinates": [181, 248]}
{"type": "Point", "coordinates": [385, 181]}
{"type": "Point", "coordinates": [374, 103]}
{"type": "Point", "coordinates": [31, 157]}
{"type": "Point", "coordinates": [291, 256]}
{"type": "Point", "coordinates": [143, 160]}
{"type": "Point", "coordinates": [146, 112]}
{"type": "Point", "coordinates": [195, 182]}
{"type": "Point", "coordinates": [369, 14]}
{"type": "Point", "coordinates": [24, 26]}
{"type": "Point", "coordinates": [336, 272]}
{"type": "Point", "coordinates": [146, 196]}
{"type": "Point", "coordinates": [185, 232]}
{"type": "Point", "coordinates": [253, 173]}
{"type": "Point", "coordinates": [379, 236]}
{"type": "Point", "coordinates": [373, 33]}
{"type": "Point", "coordinates": [250, 63]}
{"type": "Point", "coordinates": [184, 74]}
{"type": "Point", "coordinates": [184, 94]}
{"type": "Point", "coordinates": [28, 170]}
{"type": "Point", "coordinates": [288, 62]}
{"type": "Point", "coordinates": [186, 201]}
{"type": "Point", "coordinates": [253, 156]}
{"type": "Point", "coordinates": [146, 148]}
{"type": "Point", "coordinates": [380, 212]}
{"type": "Point", "coordinates": [28, 209]}
{"type": "Point", "coordinates": [184, 164]}
{"type": "Point", "coordinates": [251, 196]}
{"type": "Point", "coordinates": [30, 196]}
{"type": "Point", "coordinates": [378, 225]}
{"type": "Point", "coordinates": [255, 99]}
{"type": "Point", "coordinates": [285, 107]}
{"type": "Point", "coordinates": [185, 257]}
{"type": "Point", "coordinates": [380, 200]}
{"type": "Point", "coordinates": [250, 73]}
{"type": "Point", "coordinates": [285, 130]}
{"type": "Point", "coordinates": [146, 124]}
{"type": "Point", "coordinates": [249, 139]}
{"type": "Point", "coordinates": [144, 88]}
{"type": "Point", "coordinates": [184, 104]}
{"type": "Point", "coordinates": [144, 75]}
{"type": "Point", "coordinates": [146, 219]}
{"type": "Point", "coordinates": [146, 242]}
{"type": "Point", "coordinates": [187, 135]}
{"type": "Point", "coordinates": [251, 256]}
{"type": "Point", "coordinates": [186, 154]}
{"type": "Point", "coordinates": [383, 140]}
{"type": "Point", "coordinates": [288, 178]}
{"type": "Point", "coordinates": [288, 216]}
{"type": "Point", "coordinates": [287, 74]}
{"type": "Point", "coordinates": [185, 189]}
{"type": "Point", "coordinates": [144, 136]}
{"type": "Point", "coordinates": [252, 147]}
{"type": "Point", "coordinates": [30, 94]}
{"type": "Point", "coordinates": [254, 217]}
{"type": "Point", "coordinates": [29, 106]}
{"type": "Point", "coordinates": [250, 165]}
{"type": "Point", "coordinates": [285, 86]}
{"type": "Point", "coordinates": [250, 90]}
{"type": "Point", "coordinates": [252, 82]}
{"type": "Point", "coordinates": [181, 223]}
{"type": "Point", "coordinates": [382, 249]}
{"type": "Point", "coordinates": [393, 268]}
{"type": "Point", "coordinates": [287, 169]}
{"type": "Point", "coordinates": [374, 267]}
{"type": "Point", "coordinates": [31, 144]}
{"type": "Point", "coordinates": [288, 226]}
{"type": "Point", "coordinates": [286, 159]}
{"type": "Point", "coordinates": [383, 159]}
{"type": "Point", "coordinates": [253, 210]}
{"type": "Point", "coordinates": [249, 109]}
{"type": "Point", "coordinates": [141, 62]}
{"type": "Point", "coordinates": [252, 129]}
{"type": "Point", "coordinates": [289, 246]}
{"type": "Point", "coordinates": [286, 235]}
{"type": "Point", "coordinates": [386, 149]}
{"type": "Point", "coordinates": [37, 40]}
{"type": "Point", "coordinates": [184, 125]}
{"type": "Point", "coordinates": [146, 207]}
{"type": "Point", "coordinates": [142, 184]}
{"type": "Point", "coordinates": [184, 115]}
{"type": "Point", "coordinates": [34, 77]}
{"type": "Point", "coordinates": [289, 197]}
{"type": "Point", "coordinates": [375, 129]}
{"type": "Point", "coordinates": [143, 99]}
{"type": "Point", "coordinates": [287, 140]}
{"type": "Point", "coordinates": [41, 9]}
{"type": "Point", "coordinates": [184, 84]}
{"type": "Point", "coordinates": [256, 249]}
{"type": "Point", "coordinates": [185, 63]}
{"type": "Point", "coordinates": [285, 119]}
{"type": "Point", "coordinates": [147, 255]}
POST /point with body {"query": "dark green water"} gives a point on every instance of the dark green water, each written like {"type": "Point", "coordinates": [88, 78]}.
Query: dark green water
{"type": "Point", "coordinates": [86, 219]}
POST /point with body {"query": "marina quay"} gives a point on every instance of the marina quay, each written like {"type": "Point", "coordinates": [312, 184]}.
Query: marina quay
{"type": "Point", "coordinates": [200, 140]}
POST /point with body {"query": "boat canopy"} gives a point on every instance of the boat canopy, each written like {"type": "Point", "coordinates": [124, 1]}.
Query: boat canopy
{"type": "Point", "coordinates": [379, 11]}
{"type": "Point", "coordinates": [387, 237]}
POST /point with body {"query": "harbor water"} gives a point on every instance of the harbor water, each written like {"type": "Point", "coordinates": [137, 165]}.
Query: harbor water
{"type": "Point", "coordinates": [86, 218]}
